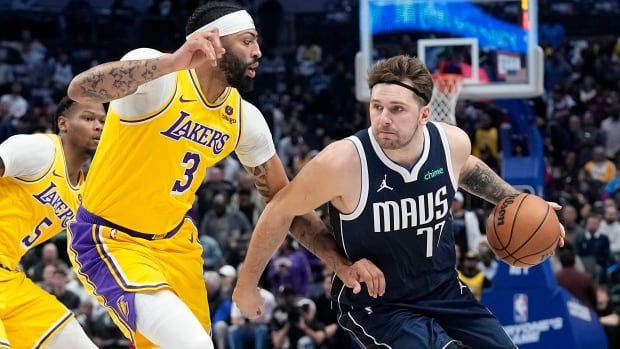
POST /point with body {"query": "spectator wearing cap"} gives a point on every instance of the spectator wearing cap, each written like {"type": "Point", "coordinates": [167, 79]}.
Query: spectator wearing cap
{"type": "Point", "coordinates": [229, 276]}
{"type": "Point", "coordinates": [465, 225]}
{"type": "Point", "coordinates": [220, 308]}
{"type": "Point", "coordinates": [471, 276]}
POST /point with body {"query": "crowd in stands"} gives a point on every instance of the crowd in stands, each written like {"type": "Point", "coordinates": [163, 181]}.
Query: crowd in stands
{"type": "Point", "coordinates": [305, 89]}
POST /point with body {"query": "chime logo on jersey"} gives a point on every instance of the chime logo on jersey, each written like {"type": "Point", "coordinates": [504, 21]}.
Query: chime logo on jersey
{"type": "Point", "coordinates": [49, 196]}
{"type": "Point", "coordinates": [410, 212]}
{"type": "Point", "coordinates": [196, 132]}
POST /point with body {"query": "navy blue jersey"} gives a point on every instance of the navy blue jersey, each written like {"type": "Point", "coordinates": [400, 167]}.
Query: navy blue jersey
{"type": "Point", "coordinates": [402, 222]}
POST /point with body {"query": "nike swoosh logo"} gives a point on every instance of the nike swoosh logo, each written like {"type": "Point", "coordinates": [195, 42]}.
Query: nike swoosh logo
{"type": "Point", "coordinates": [183, 100]}
{"type": "Point", "coordinates": [56, 174]}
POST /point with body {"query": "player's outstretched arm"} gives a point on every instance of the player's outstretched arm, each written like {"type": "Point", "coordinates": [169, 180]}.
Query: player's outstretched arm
{"type": "Point", "coordinates": [306, 192]}
{"type": "Point", "coordinates": [114, 80]}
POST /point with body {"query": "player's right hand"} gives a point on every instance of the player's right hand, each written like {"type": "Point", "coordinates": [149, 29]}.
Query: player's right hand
{"type": "Point", "coordinates": [363, 271]}
{"type": "Point", "coordinates": [249, 301]}
{"type": "Point", "coordinates": [200, 48]}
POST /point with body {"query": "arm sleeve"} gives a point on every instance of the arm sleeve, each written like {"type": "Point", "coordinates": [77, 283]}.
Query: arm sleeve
{"type": "Point", "coordinates": [27, 156]}
{"type": "Point", "coordinates": [149, 97]}
{"type": "Point", "coordinates": [255, 143]}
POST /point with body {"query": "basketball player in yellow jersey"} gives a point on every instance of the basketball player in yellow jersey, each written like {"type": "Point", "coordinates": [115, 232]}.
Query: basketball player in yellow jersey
{"type": "Point", "coordinates": [39, 184]}
{"type": "Point", "coordinates": [171, 117]}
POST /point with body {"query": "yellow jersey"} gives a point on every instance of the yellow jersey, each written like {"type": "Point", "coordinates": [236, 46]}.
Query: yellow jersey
{"type": "Point", "coordinates": [147, 169]}
{"type": "Point", "coordinates": [34, 210]}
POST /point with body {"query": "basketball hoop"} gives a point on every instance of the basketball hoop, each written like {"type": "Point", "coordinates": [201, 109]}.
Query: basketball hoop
{"type": "Point", "coordinates": [446, 92]}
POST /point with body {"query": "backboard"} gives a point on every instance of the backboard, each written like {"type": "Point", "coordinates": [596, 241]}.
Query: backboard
{"type": "Point", "coordinates": [492, 44]}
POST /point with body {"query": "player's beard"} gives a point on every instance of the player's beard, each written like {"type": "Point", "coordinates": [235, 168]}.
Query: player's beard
{"type": "Point", "coordinates": [234, 68]}
{"type": "Point", "coordinates": [400, 142]}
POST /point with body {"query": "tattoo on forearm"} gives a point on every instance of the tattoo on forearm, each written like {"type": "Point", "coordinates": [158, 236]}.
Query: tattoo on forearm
{"type": "Point", "coordinates": [260, 179]}
{"type": "Point", "coordinates": [316, 238]}
{"type": "Point", "coordinates": [102, 84]}
{"type": "Point", "coordinates": [482, 181]}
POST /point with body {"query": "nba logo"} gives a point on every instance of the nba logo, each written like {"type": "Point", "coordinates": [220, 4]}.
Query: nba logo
{"type": "Point", "coordinates": [520, 307]}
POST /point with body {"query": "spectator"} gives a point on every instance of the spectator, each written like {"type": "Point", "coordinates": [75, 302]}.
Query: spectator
{"type": "Point", "coordinates": [465, 225]}
{"type": "Point", "coordinates": [58, 288]}
{"type": "Point", "coordinates": [593, 246]}
{"type": "Point", "coordinates": [220, 307]}
{"type": "Point", "coordinates": [211, 252]}
{"type": "Point", "coordinates": [568, 217]}
{"type": "Point", "coordinates": [577, 283]}
{"type": "Point", "coordinates": [336, 337]}
{"type": "Point", "coordinates": [599, 168]}
{"type": "Point", "coordinates": [49, 255]}
{"type": "Point", "coordinates": [294, 325]}
{"type": "Point", "coordinates": [611, 227]}
{"type": "Point", "coordinates": [488, 264]}
{"type": "Point", "coordinates": [224, 224]}
{"type": "Point", "coordinates": [471, 276]}
{"type": "Point", "coordinates": [16, 105]}
{"type": "Point", "coordinates": [308, 56]}
{"type": "Point", "coordinates": [289, 267]}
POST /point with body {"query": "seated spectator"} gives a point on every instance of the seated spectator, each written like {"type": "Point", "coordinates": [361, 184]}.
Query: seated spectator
{"type": "Point", "coordinates": [471, 276]}
{"type": "Point", "coordinates": [594, 246]}
{"type": "Point", "coordinates": [220, 306]}
{"type": "Point", "coordinates": [58, 288]}
{"type": "Point", "coordinates": [488, 263]}
{"type": "Point", "coordinates": [296, 326]}
{"type": "Point", "coordinates": [211, 252]}
{"type": "Point", "coordinates": [289, 267]}
{"type": "Point", "coordinates": [224, 224]}
{"type": "Point", "coordinates": [608, 316]}
{"type": "Point", "coordinates": [577, 283]}
{"type": "Point", "coordinates": [611, 227]}
{"type": "Point", "coordinates": [336, 337]}
{"type": "Point", "coordinates": [599, 168]}
{"type": "Point", "coordinates": [49, 255]}
{"type": "Point", "coordinates": [465, 225]}
{"type": "Point", "coordinates": [568, 217]}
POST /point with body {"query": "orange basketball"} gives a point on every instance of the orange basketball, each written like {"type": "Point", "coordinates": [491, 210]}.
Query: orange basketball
{"type": "Point", "coordinates": [523, 230]}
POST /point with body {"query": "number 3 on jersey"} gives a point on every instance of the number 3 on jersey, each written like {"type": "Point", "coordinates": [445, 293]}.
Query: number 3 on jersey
{"type": "Point", "coordinates": [190, 162]}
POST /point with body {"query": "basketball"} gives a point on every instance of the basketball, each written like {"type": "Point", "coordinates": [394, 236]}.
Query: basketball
{"type": "Point", "coordinates": [523, 230]}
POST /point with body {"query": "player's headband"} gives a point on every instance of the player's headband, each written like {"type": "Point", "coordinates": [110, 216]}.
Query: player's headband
{"type": "Point", "coordinates": [229, 24]}
{"type": "Point", "coordinates": [408, 87]}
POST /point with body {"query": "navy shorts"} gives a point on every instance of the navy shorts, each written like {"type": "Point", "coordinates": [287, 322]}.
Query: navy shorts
{"type": "Point", "coordinates": [447, 316]}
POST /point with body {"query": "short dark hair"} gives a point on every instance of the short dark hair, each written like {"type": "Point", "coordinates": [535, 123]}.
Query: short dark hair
{"type": "Point", "coordinates": [209, 12]}
{"type": "Point", "coordinates": [567, 256]}
{"type": "Point", "coordinates": [65, 104]}
{"type": "Point", "coordinates": [403, 69]}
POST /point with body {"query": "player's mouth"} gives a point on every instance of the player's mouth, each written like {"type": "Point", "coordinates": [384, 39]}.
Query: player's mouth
{"type": "Point", "coordinates": [251, 70]}
{"type": "Point", "coordinates": [96, 139]}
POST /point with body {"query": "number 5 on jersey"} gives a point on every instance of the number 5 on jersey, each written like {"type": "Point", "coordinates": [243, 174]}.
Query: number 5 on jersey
{"type": "Point", "coordinates": [190, 162]}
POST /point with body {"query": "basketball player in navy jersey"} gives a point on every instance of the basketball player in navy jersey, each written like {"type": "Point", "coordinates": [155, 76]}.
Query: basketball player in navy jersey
{"type": "Point", "coordinates": [390, 188]}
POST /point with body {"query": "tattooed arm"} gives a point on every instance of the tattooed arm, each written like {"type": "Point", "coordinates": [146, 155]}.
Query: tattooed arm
{"type": "Point", "coordinates": [473, 175]}
{"type": "Point", "coordinates": [114, 80]}
{"type": "Point", "coordinates": [479, 179]}
{"type": "Point", "coordinates": [308, 229]}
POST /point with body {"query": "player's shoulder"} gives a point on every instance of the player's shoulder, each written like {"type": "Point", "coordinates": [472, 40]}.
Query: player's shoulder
{"type": "Point", "coordinates": [339, 154]}
{"type": "Point", "coordinates": [142, 53]}
{"type": "Point", "coordinates": [455, 135]}
{"type": "Point", "coordinates": [250, 109]}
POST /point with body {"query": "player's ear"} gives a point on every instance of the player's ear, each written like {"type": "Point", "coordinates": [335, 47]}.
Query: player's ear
{"type": "Point", "coordinates": [425, 114]}
{"type": "Point", "coordinates": [62, 123]}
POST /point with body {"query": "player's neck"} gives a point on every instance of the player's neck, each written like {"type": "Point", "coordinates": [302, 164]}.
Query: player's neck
{"type": "Point", "coordinates": [410, 153]}
{"type": "Point", "coordinates": [74, 160]}
{"type": "Point", "coordinates": [212, 82]}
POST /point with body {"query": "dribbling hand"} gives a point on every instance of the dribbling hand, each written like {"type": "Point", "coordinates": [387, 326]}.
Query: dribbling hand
{"type": "Point", "coordinates": [201, 47]}
{"type": "Point", "coordinates": [249, 301]}
{"type": "Point", "coordinates": [363, 271]}
{"type": "Point", "coordinates": [555, 206]}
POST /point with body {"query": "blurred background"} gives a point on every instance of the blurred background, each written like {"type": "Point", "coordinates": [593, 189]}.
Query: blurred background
{"type": "Point", "coordinates": [305, 87]}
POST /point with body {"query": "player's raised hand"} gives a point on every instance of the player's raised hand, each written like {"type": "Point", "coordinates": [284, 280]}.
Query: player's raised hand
{"type": "Point", "coordinates": [249, 301]}
{"type": "Point", "coordinates": [201, 47]}
{"type": "Point", "coordinates": [363, 271]}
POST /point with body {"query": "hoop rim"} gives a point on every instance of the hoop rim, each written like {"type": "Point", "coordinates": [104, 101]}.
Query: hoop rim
{"type": "Point", "coordinates": [448, 77]}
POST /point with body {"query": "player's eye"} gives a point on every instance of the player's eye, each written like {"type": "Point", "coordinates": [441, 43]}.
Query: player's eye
{"type": "Point", "coordinates": [377, 107]}
{"type": "Point", "coordinates": [397, 109]}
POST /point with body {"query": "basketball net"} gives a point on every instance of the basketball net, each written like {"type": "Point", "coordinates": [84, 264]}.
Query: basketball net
{"type": "Point", "coordinates": [446, 92]}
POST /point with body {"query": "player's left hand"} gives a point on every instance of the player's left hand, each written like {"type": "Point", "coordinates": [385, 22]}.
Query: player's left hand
{"type": "Point", "coordinates": [555, 206]}
{"type": "Point", "coordinates": [249, 300]}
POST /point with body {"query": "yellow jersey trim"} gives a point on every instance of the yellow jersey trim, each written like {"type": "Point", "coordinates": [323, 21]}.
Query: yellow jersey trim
{"type": "Point", "coordinates": [117, 272]}
{"type": "Point", "coordinates": [54, 330]}
{"type": "Point", "coordinates": [220, 100]}
{"type": "Point", "coordinates": [152, 115]}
